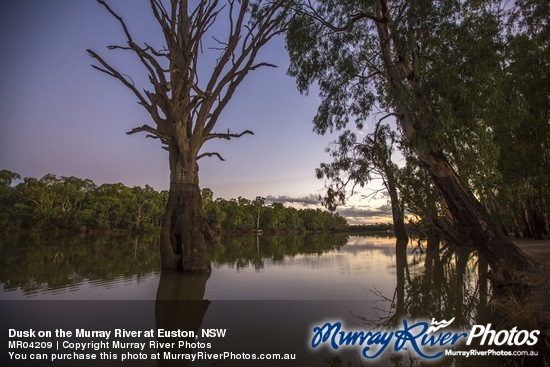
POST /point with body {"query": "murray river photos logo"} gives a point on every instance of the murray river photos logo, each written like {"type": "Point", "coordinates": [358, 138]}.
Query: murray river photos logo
{"type": "Point", "coordinates": [427, 340]}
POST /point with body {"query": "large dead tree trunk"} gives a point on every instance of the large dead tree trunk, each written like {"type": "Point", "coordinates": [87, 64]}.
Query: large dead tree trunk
{"type": "Point", "coordinates": [184, 228]}
{"type": "Point", "coordinates": [187, 99]}
{"type": "Point", "coordinates": [471, 217]}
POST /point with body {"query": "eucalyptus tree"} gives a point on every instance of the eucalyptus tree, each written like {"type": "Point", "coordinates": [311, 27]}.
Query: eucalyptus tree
{"type": "Point", "coordinates": [522, 128]}
{"type": "Point", "coordinates": [7, 177]}
{"type": "Point", "coordinates": [257, 207]}
{"type": "Point", "coordinates": [431, 64]}
{"type": "Point", "coordinates": [8, 200]}
{"type": "Point", "coordinates": [213, 211]}
{"type": "Point", "coordinates": [425, 207]}
{"type": "Point", "coordinates": [143, 205]}
{"type": "Point", "coordinates": [357, 163]}
{"type": "Point", "coordinates": [51, 202]}
{"type": "Point", "coordinates": [185, 98]}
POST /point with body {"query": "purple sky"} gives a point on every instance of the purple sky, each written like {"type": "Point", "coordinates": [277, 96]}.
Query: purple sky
{"type": "Point", "coordinates": [59, 115]}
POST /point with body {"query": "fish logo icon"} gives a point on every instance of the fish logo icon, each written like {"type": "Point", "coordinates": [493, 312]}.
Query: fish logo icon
{"type": "Point", "coordinates": [436, 325]}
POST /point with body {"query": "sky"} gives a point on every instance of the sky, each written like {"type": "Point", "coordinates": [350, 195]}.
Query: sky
{"type": "Point", "coordinates": [58, 115]}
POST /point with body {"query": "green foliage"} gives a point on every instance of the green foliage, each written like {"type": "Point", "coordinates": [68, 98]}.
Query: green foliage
{"type": "Point", "coordinates": [376, 227]}
{"type": "Point", "coordinates": [336, 62]}
{"type": "Point", "coordinates": [71, 203]}
{"type": "Point", "coordinates": [521, 127]}
{"type": "Point", "coordinates": [7, 177]}
{"type": "Point", "coordinates": [469, 78]}
{"type": "Point", "coordinates": [8, 200]}
{"type": "Point", "coordinates": [244, 215]}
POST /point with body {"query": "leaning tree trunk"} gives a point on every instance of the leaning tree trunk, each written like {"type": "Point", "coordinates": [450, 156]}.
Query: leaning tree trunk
{"type": "Point", "coordinates": [184, 228]}
{"type": "Point", "coordinates": [471, 217]}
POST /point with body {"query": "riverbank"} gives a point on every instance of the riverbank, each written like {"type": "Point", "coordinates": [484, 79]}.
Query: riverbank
{"type": "Point", "coordinates": [538, 280]}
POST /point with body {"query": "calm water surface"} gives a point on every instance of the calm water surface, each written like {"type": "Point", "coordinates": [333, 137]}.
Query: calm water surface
{"type": "Point", "coordinates": [267, 290]}
{"type": "Point", "coordinates": [244, 268]}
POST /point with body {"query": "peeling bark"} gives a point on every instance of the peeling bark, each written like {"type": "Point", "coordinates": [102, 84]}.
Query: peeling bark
{"type": "Point", "coordinates": [184, 228]}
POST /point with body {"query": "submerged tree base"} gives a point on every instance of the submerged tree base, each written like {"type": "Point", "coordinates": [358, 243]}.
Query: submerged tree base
{"type": "Point", "coordinates": [184, 231]}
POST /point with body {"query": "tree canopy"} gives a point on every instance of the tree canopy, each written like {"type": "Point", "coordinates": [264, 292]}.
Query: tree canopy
{"type": "Point", "coordinates": [70, 203]}
{"type": "Point", "coordinates": [437, 75]}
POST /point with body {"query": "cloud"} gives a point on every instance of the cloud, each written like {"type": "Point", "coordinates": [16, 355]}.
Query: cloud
{"type": "Point", "coordinates": [362, 215]}
{"type": "Point", "coordinates": [381, 211]}
{"type": "Point", "coordinates": [353, 214]}
{"type": "Point", "coordinates": [310, 200]}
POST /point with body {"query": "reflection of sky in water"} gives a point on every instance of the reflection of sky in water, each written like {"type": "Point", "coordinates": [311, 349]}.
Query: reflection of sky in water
{"type": "Point", "coordinates": [275, 301]}
{"type": "Point", "coordinates": [351, 272]}
{"type": "Point", "coordinates": [345, 274]}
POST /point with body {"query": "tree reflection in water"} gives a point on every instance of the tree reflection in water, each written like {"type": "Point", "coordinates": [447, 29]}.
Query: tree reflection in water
{"type": "Point", "coordinates": [435, 283]}
{"type": "Point", "coordinates": [442, 284]}
{"type": "Point", "coordinates": [451, 285]}
{"type": "Point", "coordinates": [180, 304]}
{"type": "Point", "coordinates": [244, 251]}
{"type": "Point", "coordinates": [39, 263]}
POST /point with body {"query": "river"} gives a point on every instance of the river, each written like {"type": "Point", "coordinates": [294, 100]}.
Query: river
{"type": "Point", "coordinates": [265, 294]}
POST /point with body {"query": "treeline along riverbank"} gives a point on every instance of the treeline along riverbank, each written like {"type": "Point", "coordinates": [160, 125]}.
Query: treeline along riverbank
{"type": "Point", "coordinates": [74, 204]}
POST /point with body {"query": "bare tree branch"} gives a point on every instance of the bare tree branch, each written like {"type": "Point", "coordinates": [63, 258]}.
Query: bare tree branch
{"type": "Point", "coordinates": [184, 110]}
{"type": "Point", "coordinates": [227, 135]}
{"type": "Point", "coordinates": [108, 69]}
{"type": "Point", "coordinates": [146, 128]}
{"type": "Point", "coordinates": [210, 154]}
